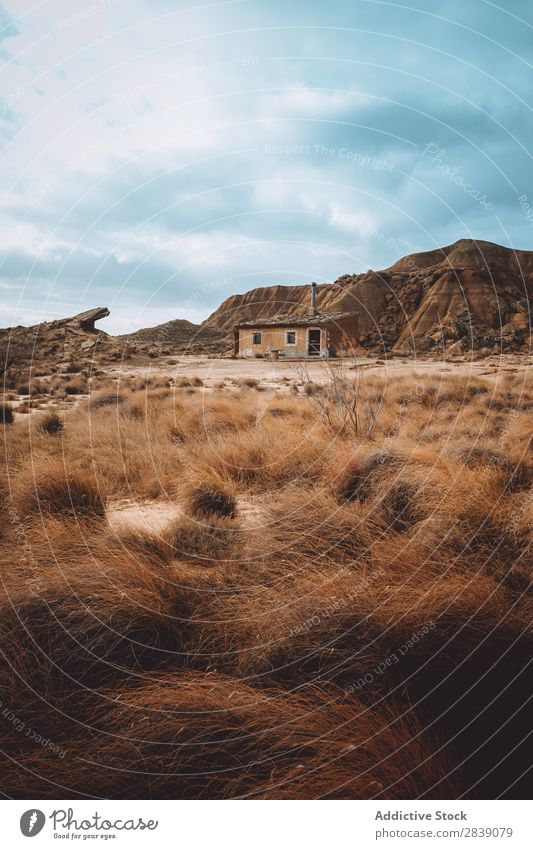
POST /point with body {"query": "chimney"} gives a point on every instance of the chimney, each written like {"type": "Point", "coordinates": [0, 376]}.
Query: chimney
{"type": "Point", "coordinates": [312, 308]}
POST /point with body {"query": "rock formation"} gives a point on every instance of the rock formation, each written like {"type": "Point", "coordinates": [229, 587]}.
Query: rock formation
{"type": "Point", "coordinates": [76, 342]}
{"type": "Point", "coordinates": [86, 320]}
{"type": "Point", "coordinates": [59, 343]}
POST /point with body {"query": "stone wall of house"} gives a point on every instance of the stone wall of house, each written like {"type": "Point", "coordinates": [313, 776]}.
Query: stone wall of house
{"type": "Point", "coordinates": [336, 338]}
{"type": "Point", "coordinates": [274, 338]}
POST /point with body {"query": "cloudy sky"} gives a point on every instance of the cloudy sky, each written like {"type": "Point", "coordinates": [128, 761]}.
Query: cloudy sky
{"type": "Point", "coordinates": [159, 155]}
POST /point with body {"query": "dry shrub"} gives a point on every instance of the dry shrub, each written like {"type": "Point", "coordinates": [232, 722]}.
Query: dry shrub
{"type": "Point", "coordinates": [127, 454]}
{"type": "Point", "coordinates": [242, 462]}
{"type": "Point", "coordinates": [202, 499]}
{"type": "Point", "coordinates": [311, 388]}
{"type": "Point", "coordinates": [102, 399]}
{"type": "Point", "coordinates": [50, 423]}
{"type": "Point", "coordinates": [405, 487]}
{"type": "Point", "coordinates": [102, 609]}
{"type": "Point", "coordinates": [307, 525]}
{"type": "Point", "coordinates": [6, 414]}
{"type": "Point", "coordinates": [48, 487]}
{"type": "Point", "coordinates": [518, 473]}
{"type": "Point", "coordinates": [456, 647]}
{"type": "Point", "coordinates": [213, 417]}
{"type": "Point", "coordinates": [208, 541]}
{"type": "Point", "coordinates": [272, 453]}
{"type": "Point", "coordinates": [353, 481]}
{"type": "Point", "coordinates": [177, 432]}
{"type": "Point", "coordinates": [76, 387]}
{"type": "Point", "coordinates": [346, 406]}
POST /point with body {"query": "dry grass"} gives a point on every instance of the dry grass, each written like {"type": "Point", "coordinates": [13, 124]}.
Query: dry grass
{"type": "Point", "coordinates": [204, 500]}
{"type": "Point", "coordinates": [47, 487]}
{"type": "Point", "coordinates": [337, 611]}
{"type": "Point", "coordinates": [215, 738]}
{"type": "Point", "coordinates": [76, 387]}
{"type": "Point", "coordinates": [50, 423]}
{"type": "Point", "coordinates": [6, 414]}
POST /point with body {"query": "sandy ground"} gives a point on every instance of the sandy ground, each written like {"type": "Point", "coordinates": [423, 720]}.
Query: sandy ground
{"type": "Point", "coordinates": [154, 516]}
{"type": "Point", "coordinates": [151, 516]}
{"type": "Point", "coordinates": [272, 374]}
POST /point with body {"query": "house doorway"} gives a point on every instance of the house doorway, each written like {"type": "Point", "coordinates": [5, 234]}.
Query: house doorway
{"type": "Point", "coordinates": [313, 343]}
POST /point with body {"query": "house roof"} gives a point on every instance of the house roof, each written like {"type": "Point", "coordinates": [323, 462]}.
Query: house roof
{"type": "Point", "coordinates": [296, 320]}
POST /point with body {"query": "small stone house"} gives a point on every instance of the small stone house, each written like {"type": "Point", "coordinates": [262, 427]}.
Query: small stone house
{"type": "Point", "coordinates": [316, 334]}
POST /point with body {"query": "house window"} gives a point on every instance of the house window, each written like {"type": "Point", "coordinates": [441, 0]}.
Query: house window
{"type": "Point", "coordinates": [290, 337]}
{"type": "Point", "coordinates": [256, 338]}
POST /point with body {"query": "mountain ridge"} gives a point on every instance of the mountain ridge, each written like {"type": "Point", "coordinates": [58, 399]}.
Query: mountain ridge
{"type": "Point", "coordinates": [178, 332]}
{"type": "Point", "coordinates": [471, 294]}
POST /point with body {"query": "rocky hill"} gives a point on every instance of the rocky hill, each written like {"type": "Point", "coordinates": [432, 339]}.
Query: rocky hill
{"type": "Point", "coordinates": [69, 344]}
{"type": "Point", "coordinates": [58, 343]}
{"type": "Point", "coordinates": [471, 294]}
{"type": "Point", "coordinates": [181, 335]}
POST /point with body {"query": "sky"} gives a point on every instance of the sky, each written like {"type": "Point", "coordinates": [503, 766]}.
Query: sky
{"type": "Point", "coordinates": [158, 156]}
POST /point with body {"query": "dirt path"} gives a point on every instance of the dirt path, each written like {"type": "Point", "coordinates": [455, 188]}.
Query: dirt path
{"type": "Point", "coordinates": [213, 372]}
